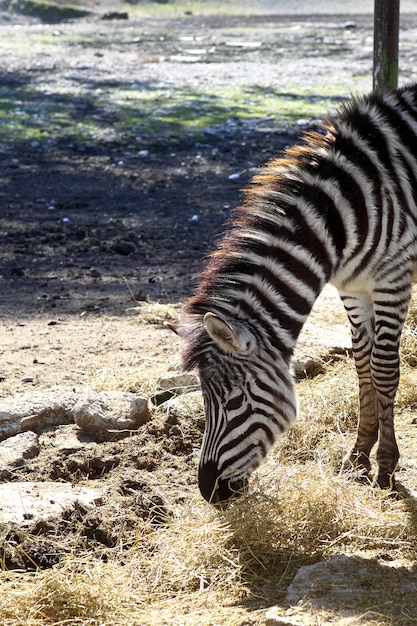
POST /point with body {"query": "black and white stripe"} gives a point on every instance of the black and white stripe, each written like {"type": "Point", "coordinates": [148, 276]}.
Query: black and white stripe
{"type": "Point", "coordinates": [339, 208]}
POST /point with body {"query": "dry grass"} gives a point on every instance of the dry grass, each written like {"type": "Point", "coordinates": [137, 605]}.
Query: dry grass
{"type": "Point", "coordinates": [203, 561]}
{"type": "Point", "coordinates": [409, 337]}
{"type": "Point", "coordinates": [141, 379]}
{"type": "Point", "coordinates": [202, 567]}
{"type": "Point", "coordinates": [157, 313]}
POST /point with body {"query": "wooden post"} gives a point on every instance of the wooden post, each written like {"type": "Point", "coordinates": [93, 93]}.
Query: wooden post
{"type": "Point", "coordinates": [386, 34]}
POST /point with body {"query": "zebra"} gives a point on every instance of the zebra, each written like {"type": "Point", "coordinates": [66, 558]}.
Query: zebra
{"type": "Point", "coordinates": [339, 208]}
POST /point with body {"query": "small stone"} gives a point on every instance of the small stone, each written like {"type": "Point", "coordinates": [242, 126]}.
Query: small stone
{"type": "Point", "coordinates": [111, 415]}
{"type": "Point", "coordinates": [276, 616]}
{"type": "Point", "coordinates": [210, 131]}
{"type": "Point", "coordinates": [95, 273]}
{"type": "Point", "coordinates": [15, 450]}
{"type": "Point", "coordinates": [115, 15]}
{"type": "Point", "coordinates": [178, 383]}
{"type": "Point", "coordinates": [186, 406]}
{"type": "Point", "coordinates": [124, 248]}
{"type": "Point", "coordinates": [161, 397]}
{"type": "Point", "coordinates": [308, 368]}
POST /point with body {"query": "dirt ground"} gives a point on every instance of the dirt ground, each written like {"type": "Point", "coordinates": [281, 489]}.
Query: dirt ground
{"type": "Point", "coordinates": [91, 233]}
{"type": "Point", "coordinates": [88, 233]}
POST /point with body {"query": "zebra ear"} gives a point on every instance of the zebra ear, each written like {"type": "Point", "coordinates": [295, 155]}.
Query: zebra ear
{"type": "Point", "coordinates": [173, 327]}
{"type": "Point", "coordinates": [221, 332]}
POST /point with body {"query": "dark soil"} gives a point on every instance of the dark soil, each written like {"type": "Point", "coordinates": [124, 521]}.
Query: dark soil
{"type": "Point", "coordinates": [76, 235]}
{"type": "Point", "coordinates": [92, 227]}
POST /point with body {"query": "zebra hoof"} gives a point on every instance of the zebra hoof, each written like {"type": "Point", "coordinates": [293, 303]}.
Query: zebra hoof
{"type": "Point", "coordinates": [386, 481]}
{"type": "Point", "coordinates": [356, 463]}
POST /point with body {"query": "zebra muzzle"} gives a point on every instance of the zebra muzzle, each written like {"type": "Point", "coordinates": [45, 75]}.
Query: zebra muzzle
{"type": "Point", "coordinates": [218, 490]}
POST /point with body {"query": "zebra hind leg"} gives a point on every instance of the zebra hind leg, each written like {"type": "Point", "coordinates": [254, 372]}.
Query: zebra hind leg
{"type": "Point", "coordinates": [376, 324]}
{"type": "Point", "coordinates": [391, 307]}
{"type": "Point", "coordinates": [359, 308]}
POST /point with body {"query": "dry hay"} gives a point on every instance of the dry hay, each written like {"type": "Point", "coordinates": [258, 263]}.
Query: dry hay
{"type": "Point", "coordinates": [202, 561]}
{"type": "Point", "coordinates": [157, 313]}
{"type": "Point", "coordinates": [409, 336]}
{"type": "Point", "coordinates": [200, 567]}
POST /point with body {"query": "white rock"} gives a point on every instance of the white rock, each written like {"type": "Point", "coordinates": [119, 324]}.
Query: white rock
{"type": "Point", "coordinates": [178, 383]}
{"type": "Point", "coordinates": [343, 579]}
{"type": "Point", "coordinates": [335, 577]}
{"type": "Point", "coordinates": [109, 415]}
{"type": "Point", "coordinates": [346, 585]}
{"type": "Point", "coordinates": [36, 410]}
{"type": "Point", "coordinates": [28, 502]}
{"type": "Point", "coordinates": [15, 450]}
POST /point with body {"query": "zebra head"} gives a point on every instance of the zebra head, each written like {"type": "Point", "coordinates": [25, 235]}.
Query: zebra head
{"type": "Point", "coordinates": [248, 400]}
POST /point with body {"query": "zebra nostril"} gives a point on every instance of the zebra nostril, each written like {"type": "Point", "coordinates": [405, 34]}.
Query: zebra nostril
{"type": "Point", "coordinates": [229, 490]}
{"type": "Point", "coordinates": [216, 490]}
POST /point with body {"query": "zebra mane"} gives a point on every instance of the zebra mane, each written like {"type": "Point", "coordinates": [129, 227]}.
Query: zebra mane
{"type": "Point", "coordinates": [197, 341]}
{"type": "Point", "coordinates": [264, 201]}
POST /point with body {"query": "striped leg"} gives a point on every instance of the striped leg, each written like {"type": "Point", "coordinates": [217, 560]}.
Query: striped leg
{"type": "Point", "coordinates": [359, 308]}
{"type": "Point", "coordinates": [376, 330]}
{"type": "Point", "coordinates": [391, 306]}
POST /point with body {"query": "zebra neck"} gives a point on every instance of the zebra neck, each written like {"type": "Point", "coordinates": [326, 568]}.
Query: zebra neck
{"type": "Point", "coordinates": [278, 327]}
{"type": "Point", "coordinates": [276, 316]}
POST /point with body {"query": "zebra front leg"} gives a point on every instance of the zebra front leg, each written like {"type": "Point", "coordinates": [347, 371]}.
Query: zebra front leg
{"type": "Point", "coordinates": [359, 308]}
